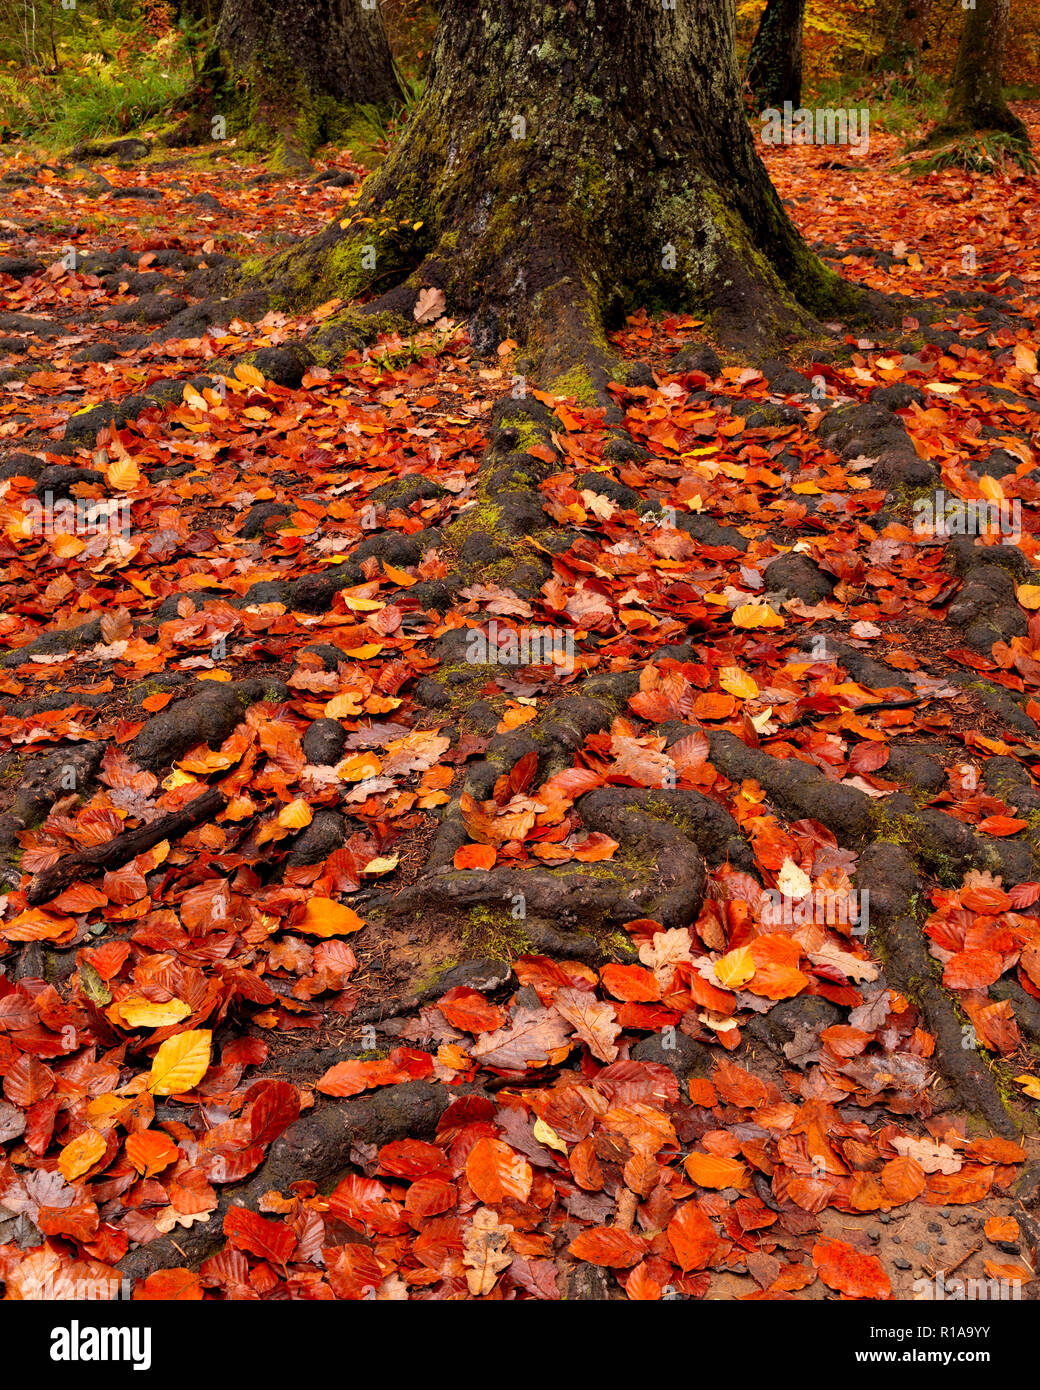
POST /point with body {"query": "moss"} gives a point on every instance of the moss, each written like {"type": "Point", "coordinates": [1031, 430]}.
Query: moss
{"type": "Point", "coordinates": [496, 935]}
{"type": "Point", "coordinates": [905, 830]}
{"type": "Point", "coordinates": [577, 383]}
{"type": "Point", "coordinates": [426, 981]}
{"type": "Point", "coordinates": [527, 435]}
{"type": "Point", "coordinates": [482, 516]}
{"type": "Point", "coordinates": [906, 498]}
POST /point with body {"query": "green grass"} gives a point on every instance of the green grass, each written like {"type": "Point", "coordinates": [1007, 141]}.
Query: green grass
{"type": "Point", "coordinates": [896, 109]}
{"type": "Point", "coordinates": [100, 77]}
{"type": "Point", "coordinates": [62, 110]}
{"type": "Point", "coordinates": [995, 153]}
{"type": "Point", "coordinates": [373, 132]}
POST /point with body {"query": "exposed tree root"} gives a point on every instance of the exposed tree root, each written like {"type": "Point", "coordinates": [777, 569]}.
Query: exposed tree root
{"type": "Point", "coordinates": [317, 1148]}
{"type": "Point", "coordinates": [113, 854]}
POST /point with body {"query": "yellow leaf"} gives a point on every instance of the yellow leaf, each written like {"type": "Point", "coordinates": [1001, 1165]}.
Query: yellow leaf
{"type": "Point", "coordinates": [213, 676]}
{"type": "Point", "coordinates": [360, 766]}
{"type": "Point", "coordinates": [181, 1063]}
{"type": "Point", "coordinates": [123, 474]}
{"type": "Point", "coordinates": [452, 1056]}
{"type": "Point", "coordinates": [991, 489]}
{"type": "Point", "coordinates": [792, 881]}
{"type": "Point", "coordinates": [737, 682]}
{"type": "Point", "coordinates": [401, 577]}
{"type": "Point", "coordinates": [137, 1012]}
{"type": "Point", "coordinates": [1031, 1086]}
{"type": "Point", "coordinates": [246, 372]}
{"type": "Point", "coordinates": [756, 615]}
{"type": "Point", "coordinates": [735, 968]}
{"type": "Point", "coordinates": [326, 917]}
{"type": "Point", "coordinates": [191, 397]}
{"type": "Point", "coordinates": [1028, 595]}
{"type": "Point", "coordinates": [382, 866]}
{"type": "Point", "coordinates": [363, 605]}
{"type": "Point", "coordinates": [296, 815]}
{"type": "Point", "coordinates": [365, 652]}
{"type": "Point", "coordinates": [1025, 358]}
{"type": "Point", "coordinates": [65, 546]}
{"type": "Point", "coordinates": [104, 1109]}
{"type": "Point", "coordinates": [176, 779]}
{"type": "Point", "coordinates": [344, 705]}
{"type": "Point", "coordinates": [545, 1134]}
{"type": "Point", "coordinates": [81, 1154]}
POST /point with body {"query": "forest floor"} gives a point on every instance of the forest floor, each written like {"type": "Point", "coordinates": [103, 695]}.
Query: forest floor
{"type": "Point", "coordinates": [286, 1048]}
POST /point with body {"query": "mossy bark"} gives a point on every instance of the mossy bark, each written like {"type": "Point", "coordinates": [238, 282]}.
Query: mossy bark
{"type": "Point", "coordinates": [774, 68]}
{"type": "Point", "coordinates": [976, 102]}
{"type": "Point", "coordinates": [567, 164]}
{"type": "Point", "coordinates": [904, 37]}
{"type": "Point", "coordinates": [286, 74]}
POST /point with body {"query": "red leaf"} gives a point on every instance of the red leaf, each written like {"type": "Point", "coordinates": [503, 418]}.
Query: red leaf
{"type": "Point", "coordinates": [849, 1271]}
{"type": "Point", "coordinates": [271, 1240]}
{"type": "Point", "coordinates": [609, 1246]}
{"type": "Point", "coordinates": [692, 1237]}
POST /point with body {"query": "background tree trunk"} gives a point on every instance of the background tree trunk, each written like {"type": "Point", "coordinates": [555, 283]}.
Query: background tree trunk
{"type": "Point", "coordinates": [774, 67]}
{"type": "Point", "coordinates": [566, 164]}
{"type": "Point", "coordinates": [976, 101]}
{"type": "Point", "coordinates": [287, 73]}
{"type": "Point", "coordinates": [907, 27]}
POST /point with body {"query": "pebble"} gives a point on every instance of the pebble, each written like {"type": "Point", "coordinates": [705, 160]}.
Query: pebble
{"type": "Point", "coordinates": [900, 1263]}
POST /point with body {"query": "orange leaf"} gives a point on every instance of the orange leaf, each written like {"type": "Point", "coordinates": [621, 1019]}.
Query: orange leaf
{"type": "Point", "coordinates": [475, 857]}
{"type": "Point", "coordinates": [170, 1286]}
{"type": "Point", "coordinates": [850, 1271]}
{"type": "Point", "coordinates": [150, 1151]}
{"type": "Point", "coordinates": [608, 1246]}
{"type": "Point", "coordinates": [709, 1170]}
{"type": "Point", "coordinates": [495, 1172]}
{"type": "Point", "coordinates": [326, 917]}
{"type": "Point", "coordinates": [692, 1237]}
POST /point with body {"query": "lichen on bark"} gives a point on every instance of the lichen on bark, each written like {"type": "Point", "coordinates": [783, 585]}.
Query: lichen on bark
{"type": "Point", "coordinates": [567, 165]}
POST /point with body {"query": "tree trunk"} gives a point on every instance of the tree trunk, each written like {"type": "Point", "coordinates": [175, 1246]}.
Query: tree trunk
{"type": "Point", "coordinates": [774, 68]}
{"type": "Point", "coordinates": [567, 164]}
{"type": "Point", "coordinates": [288, 73]}
{"type": "Point", "coordinates": [908, 25]}
{"type": "Point", "coordinates": [976, 101]}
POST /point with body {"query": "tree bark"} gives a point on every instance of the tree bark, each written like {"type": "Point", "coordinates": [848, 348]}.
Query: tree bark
{"type": "Point", "coordinates": [907, 27]}
{"type": "Point", "coordinates": [976, 101]}
{"type": "Point", "coordinates": [774, 67]}
{"type": "Point", "coordinates": [567, 164]}
{"type": "Point", "coordinates": [288, 73]}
